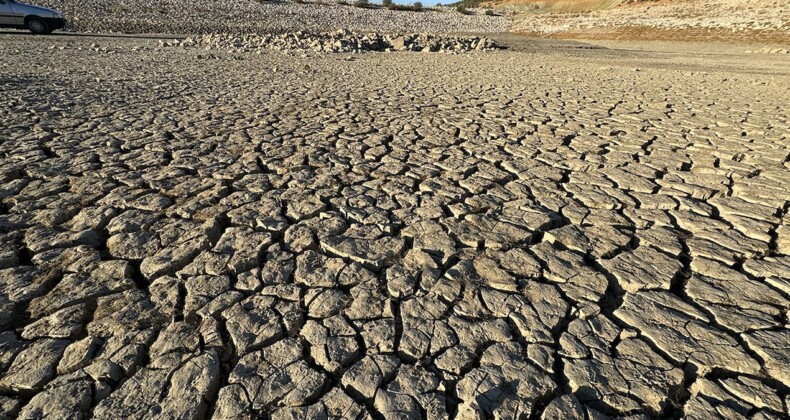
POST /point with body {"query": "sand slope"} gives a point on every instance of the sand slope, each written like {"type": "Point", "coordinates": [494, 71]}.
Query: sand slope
{"type": "Point", "coordinates": [758, 20]}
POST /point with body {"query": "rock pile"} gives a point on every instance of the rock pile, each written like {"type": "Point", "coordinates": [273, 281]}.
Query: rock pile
{"type": "Point", "coordinates": [431, 43]}
{"type": "Point", "coordinates": [342, 41]}
{"type": "Point", "coordinates": [248, 16]}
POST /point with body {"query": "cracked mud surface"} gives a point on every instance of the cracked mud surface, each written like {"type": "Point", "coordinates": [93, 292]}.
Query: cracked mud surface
{"type": "Point", "coordinates": [533, 234]}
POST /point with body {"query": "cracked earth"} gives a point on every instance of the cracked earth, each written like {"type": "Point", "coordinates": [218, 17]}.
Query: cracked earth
{"type": "Point", "coordinates": [542, 233]}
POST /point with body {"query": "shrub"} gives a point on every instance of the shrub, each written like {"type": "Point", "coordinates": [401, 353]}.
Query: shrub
{"type": "Point", "coordinates": [299, 1]}
{"type": "Point", "coordinates": [401, 7]}
{"type": "Point", "coordinates": [386, 3]}
{"type": "Point", "coordinates": [361, 3]}
{"type": "Point", "coordinates": [463, 10]}
{"type": "Point", "coordinates": [489, 12]}
{"type": "Point", "coordinates": [342, 2]}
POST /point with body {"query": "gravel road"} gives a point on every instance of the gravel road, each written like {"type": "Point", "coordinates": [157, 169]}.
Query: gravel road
{"type": "Point", "coordinates": [544, 232]}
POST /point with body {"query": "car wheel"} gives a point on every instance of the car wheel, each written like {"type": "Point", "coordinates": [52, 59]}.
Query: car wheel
{"type": "Point", "coordinates": [37, 26]}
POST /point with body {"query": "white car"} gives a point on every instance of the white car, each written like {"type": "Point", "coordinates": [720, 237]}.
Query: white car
{"type": "Point", "coordinates": [38, 20]}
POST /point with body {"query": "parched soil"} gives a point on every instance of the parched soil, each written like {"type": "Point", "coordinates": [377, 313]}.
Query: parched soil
{"type": "Point", "coordinates": [553, 231]}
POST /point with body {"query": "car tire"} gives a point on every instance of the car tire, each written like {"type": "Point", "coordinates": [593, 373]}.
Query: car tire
{"type": "Point", "coordinates": [37, 26]}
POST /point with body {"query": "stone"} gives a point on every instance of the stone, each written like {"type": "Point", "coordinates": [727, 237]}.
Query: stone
{"type": "Point", "coordinates": [34, 366]}
{"type": "Point", "coordinates": [65, 323]}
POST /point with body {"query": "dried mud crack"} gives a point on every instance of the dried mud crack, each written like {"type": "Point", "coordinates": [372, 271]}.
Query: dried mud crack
{"type": "Point", "coordinates": [529, 233]}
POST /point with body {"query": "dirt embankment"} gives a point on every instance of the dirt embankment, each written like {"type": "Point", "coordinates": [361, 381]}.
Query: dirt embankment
{"type": "Point", "coordinates": [759, 21]}
{"type": "Point", "coordinates": [557, 6]}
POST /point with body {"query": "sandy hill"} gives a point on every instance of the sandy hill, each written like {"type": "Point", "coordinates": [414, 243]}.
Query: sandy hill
{"type": "Point", "coordinates": [741, 20]}
{"type": "Point", "coordinates": [557, 6]}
